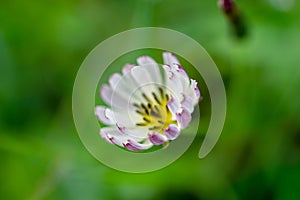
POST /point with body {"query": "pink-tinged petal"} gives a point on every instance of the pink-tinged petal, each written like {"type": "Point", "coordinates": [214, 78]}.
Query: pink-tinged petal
{"type": "Point", "coordinates": [170, 59]}
{"type": "Point", "coordinates": [174, 105]}
{"type": "Point", "coordinates": [184, 118]}
{"type": "Point", "coordinates": [106, 93]}
{"type": "Point", "coordinates": [196, 89]}
{"type": "Point", "coordinates": [135, 146]}
{"type": "Point", "coordinates": [131, 147]}
{"type": "Point", "coordinates": [105, 115]}
{"type": "Point", "coordinates": [173, 80]}
{"type": "Point", "coordinates": [182, 71]}
{"type": "Point", "coordinates": [180, 75]}
{"type": "Point", "coordinates": [169, 74]}
{"type": "Point", "coordinates": [145, 60]}
{"type": "Point", "coordinates": [187, 102]}
{"type": "Point", "coordinates": [114, 80]}
{"type": "Point", "coordinates": [104, 136]}
{"type": "Point", "coordinates": [157, 138]}
{"type": "Point", "coordinates": [172, 132]}
{"type": "Point", "coordinates": [115, 140]}
{"type": "Point", "coordinates": [113, 135]}
{"type": "Point", "coordinates": [127, 68]}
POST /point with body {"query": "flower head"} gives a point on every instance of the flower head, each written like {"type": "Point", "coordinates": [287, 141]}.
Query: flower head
{"type": "Point", "coordinates": [149, 105]}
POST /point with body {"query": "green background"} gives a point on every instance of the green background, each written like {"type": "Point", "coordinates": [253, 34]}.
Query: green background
{"type": "Point", "coordinates": [42, 45]}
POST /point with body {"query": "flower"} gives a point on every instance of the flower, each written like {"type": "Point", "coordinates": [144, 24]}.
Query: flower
{"type": "Point", "coordinates": [149, 105]}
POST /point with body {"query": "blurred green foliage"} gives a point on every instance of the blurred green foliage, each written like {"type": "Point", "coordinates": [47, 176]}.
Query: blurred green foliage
{"type": "Point", "coordinates": [42, 44]}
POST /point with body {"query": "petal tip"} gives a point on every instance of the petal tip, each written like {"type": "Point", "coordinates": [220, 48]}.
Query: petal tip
{"type": "Point", "coordinates": [157, 138]}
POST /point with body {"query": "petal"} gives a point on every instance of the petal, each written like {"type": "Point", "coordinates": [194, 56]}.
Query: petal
{"type": "Point", "coordinates": [127, 119]}
{"type": "Point", "coordinates": [173, 83]}
{"type": "Point", "coordinates": [172, 132]}
{"type": "Point", "coordinates": [170, 59]}
{"type": "Point", "coordinates": [141, 76]}
{"type": "Point", "coordinates": [194, 85]}
{"type": "Point", "coordinates": [104, 115]}
{"type": "Point", "coordinates": [114, 136]}
{"type": "Point", "coordinates": [114, 80]}
{"type": "Point", "coordinates": [114, 99]}
{"type": "Point", "coordinates": [104, 136]}
{"type": "Point", "coordinates": [134, 132]}
{"type": "Point", "coordinates": [157, 138]}
{"type": "Point", "coordinates": [144, 81]}
{"type": "Point", "coordinates": [193, 91]}
{"type": "Point", "coordinates": [144, 60]}
{"type": "Point", "coordinates": [135, 146]}
{"type": "Point", "coordinates": [187, 102]}
{"type": "Point", "coordinates": [182, 71]}
{"type": "Point", "coordinates": [127, 68]}
{"type": "Point", "coordinates": [152, 67]}
{"type": "Point", "coordinates": [106, 94]}
{"type": "Point", "coordinates": [181, 74]}
{"type": "Point", "coordinates": [125, 88]}
{"type": "Point", "coordinates": [183, 118]}
{"type": "Point", "coordinates": [174, 105]}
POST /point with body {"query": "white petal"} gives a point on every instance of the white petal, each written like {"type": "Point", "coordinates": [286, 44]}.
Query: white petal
{"type": "Point", "coordinates": [127, 68]}
{"type": "Point", "coordinates": [188, 103]}
{"type": "Point", "coordinates": [106, 94]}
{"type": "Point", "coordinates": [170, 59]}
{"type": "Point", "coordinates": [184, 118]}
{"type": "Point", "coordinates": [193, 91]}
{"type": "Point", "coordinates": [105, 115]}
{"type": "Point", "coordinates": [143, 80]}
{"type": "Point", "coordinates": [180, 74]}
{"type": "Point", "coordinates": [114, 80]}
{"type": "Point", "coordinates": [182, 71]}
{"type": "Point", "coordinates": [152, 67]}
{"type": "Point", "coordinates": [145, 60]}
{"type": "Point", "coordinates": [114, 99]}
{"type": "Point", "coordinates": [134, 132]}
{"type": "Point", "coordinates": [127, 119]}
{"type": "Point", "coordinates": [174, 105]}
{"type": "Point", "coordinates": [195, 88]}
{"type": "Point", "coordinates": [105, 137]}
{"type": "Point", "coordinates": [173, 83]}
{"type": "Point", "coordinates": [141, 76]}
{"type": "Point", "coordinates": [114, 136]}
{"type": "Point", "coordinates": [126, 88]}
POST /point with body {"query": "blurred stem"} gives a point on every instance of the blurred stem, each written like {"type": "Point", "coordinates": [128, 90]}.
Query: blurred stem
{"type": "Point", "coordinates": [234, 16]}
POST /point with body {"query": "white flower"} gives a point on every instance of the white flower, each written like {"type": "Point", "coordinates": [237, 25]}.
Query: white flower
{"type": "Point", "coordinates": [148, 105]}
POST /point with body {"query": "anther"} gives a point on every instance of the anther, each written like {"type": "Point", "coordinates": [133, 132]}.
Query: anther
{"type": "Point", "coordinates": [156, 99]}
{"type": "Point", "coordinates": [145, 108]}
{"type": "Point", "coordinates": [161, 92]}
{"type": "Point", "coordinates": [141, 124]}
{"type": "Point", "coordinates": [146, 120]}
{"type": "Point", "coordinates": [154, 128]}
{"type": "Point", "coordinates": [147, 99]}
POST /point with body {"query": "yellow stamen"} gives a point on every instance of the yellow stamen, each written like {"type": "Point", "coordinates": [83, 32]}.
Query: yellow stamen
{"type": "Point", "coordinates": [156, 114]}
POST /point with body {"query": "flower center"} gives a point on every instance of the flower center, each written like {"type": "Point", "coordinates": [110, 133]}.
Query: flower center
{"type": "Point", "coordinates": [155, 113]}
